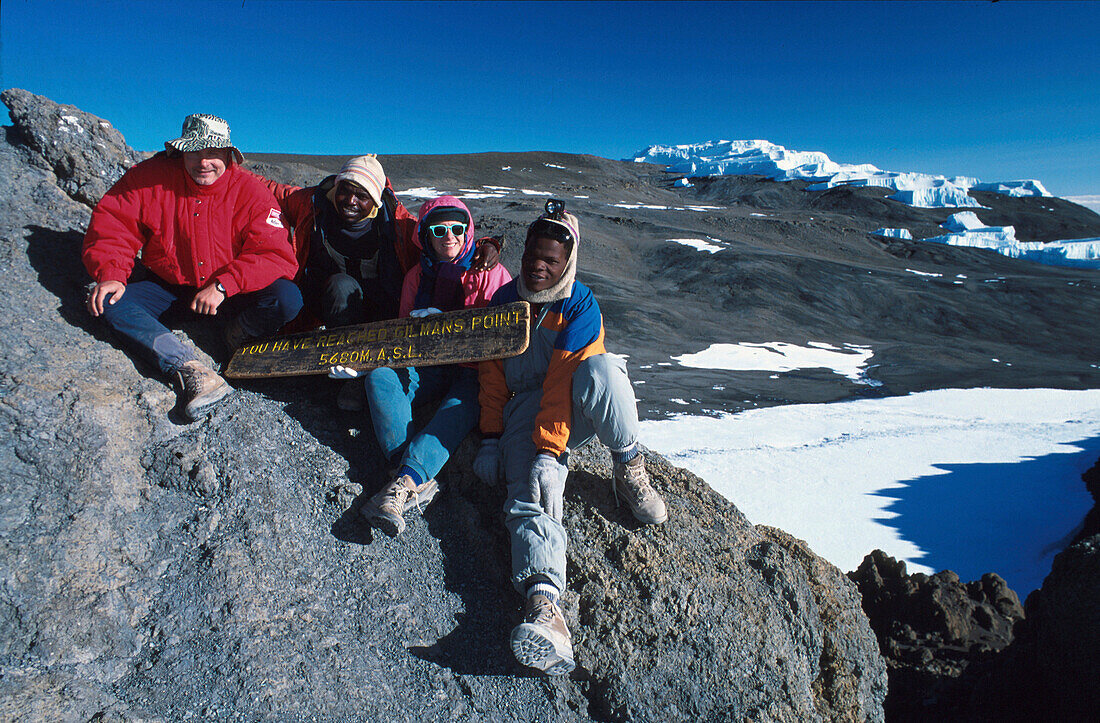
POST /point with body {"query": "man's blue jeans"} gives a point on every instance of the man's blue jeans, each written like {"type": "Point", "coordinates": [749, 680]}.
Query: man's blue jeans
{"type": "Point", "coordinates": [391, 394]}
{"type": "Point", "coordinates": [136, 316]}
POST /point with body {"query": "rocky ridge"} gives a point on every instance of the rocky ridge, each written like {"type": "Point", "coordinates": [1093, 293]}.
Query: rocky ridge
{"type": "Point", "coordinates": [154, 570]}
{"type": "Point", "coordinates": [970, 652]}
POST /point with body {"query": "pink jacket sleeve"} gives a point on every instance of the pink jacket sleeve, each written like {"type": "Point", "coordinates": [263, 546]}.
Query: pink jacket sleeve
{"type": "Point", "coordinates": [478, 287]}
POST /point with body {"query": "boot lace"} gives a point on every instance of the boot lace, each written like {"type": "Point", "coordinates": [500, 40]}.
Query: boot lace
{"type": "Point", "coordinates": [542, 611]}
{"type": "Point", "coordinates": [191, 380]}
{"type": "Point", "coordinates": [635, 482]}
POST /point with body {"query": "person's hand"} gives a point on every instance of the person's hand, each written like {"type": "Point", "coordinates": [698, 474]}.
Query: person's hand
{"type": "Point", "coordinates": [207, 300]}
{"type": "Point", "coordinates": [486, 254]}
{"type": "Point", "coordinates": [107, 291]}
{"type": "Point", "coordinates": [546, 485]}
{"type": "Point", "coordinates": [487, 462]}
{"type": "Point", "coordinates": [421, 313]}
{"type": "Point", "coordinates": [339, 372]}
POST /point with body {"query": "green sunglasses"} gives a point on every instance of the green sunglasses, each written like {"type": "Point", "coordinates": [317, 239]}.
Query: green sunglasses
{"type": "Point", "coordinates": [440, 230]}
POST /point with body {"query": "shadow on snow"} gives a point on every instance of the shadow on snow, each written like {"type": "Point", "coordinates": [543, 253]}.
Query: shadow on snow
{"type": "Point", "coordinates": [1009, 518]}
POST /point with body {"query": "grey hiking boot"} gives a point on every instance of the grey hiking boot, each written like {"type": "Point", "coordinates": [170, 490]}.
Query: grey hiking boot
{"type": "Point", "coordinates": [542, 640]}
{"type": "Point", "coordinates": [352, 396]}
{"type": "Point", "coordinates": [631, 482]}
{"type": "Point", "coordinates": [386, 509]}
{"type": "Point", "coordinates": [200, 387]}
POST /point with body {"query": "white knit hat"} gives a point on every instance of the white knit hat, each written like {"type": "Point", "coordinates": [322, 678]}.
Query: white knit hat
{"type": "Point", "coordinates": [364, 171]}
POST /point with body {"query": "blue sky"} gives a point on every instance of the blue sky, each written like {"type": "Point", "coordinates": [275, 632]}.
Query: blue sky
{"type": "Point", "coordinates": [995, 90]}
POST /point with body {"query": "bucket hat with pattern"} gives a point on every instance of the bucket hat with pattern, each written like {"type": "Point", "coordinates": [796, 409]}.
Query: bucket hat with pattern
{"type": "Point", "coordinates": [202, 131]}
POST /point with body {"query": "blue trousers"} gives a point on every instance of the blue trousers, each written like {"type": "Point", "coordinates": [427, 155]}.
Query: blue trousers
{"type": "Point", "coordinates": [136, 316]}
{"type": "Point", "coordinates": [391, 394]}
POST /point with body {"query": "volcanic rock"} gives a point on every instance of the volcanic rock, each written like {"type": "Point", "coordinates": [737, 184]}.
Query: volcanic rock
{"type": "Point", "coordinates": [86, 153]}
{"type": "Point", "coordinates": [1052, 670]}
{"type": "Point", "coordinates": [931, 628]}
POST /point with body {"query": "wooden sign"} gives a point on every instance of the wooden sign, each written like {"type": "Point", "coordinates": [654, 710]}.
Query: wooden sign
{"type": "Point", "coordinates": [468, 335]}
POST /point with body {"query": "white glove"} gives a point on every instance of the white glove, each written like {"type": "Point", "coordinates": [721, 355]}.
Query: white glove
{"type": "Point", "coordinates": [546, 485]}
{"type": "Point", "coordinates": [487, 462]}
{"type": "Point", "coordinates": [421, 313]}
{"type": "Point", "coordinates": [339, 372]}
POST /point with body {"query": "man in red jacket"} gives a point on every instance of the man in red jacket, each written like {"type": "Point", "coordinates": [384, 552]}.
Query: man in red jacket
{"type": "Point", "coordinates": [211, 237]}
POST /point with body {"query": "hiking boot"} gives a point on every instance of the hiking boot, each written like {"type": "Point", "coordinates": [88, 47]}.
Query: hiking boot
{"type": "Point", "coordinates": [200, 387]}
{"type": "Point", "coordinates": [352, 396]}
{"type": "Point", "coordinates": [235, 336]}
{"type": "Point", "coordinates": [542, 640]}
{"type": "Point", "coordinates": [384, 511]}
{"type": "Point", "coordinates": [631, 482]}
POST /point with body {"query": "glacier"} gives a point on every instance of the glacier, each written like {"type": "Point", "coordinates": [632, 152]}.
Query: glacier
{"type": "Point", "coordinates": [764, 158]}
{"type": "Point", "coordinates": [903, 233]}
{"type": "Point", "coordinates": [966, 229]}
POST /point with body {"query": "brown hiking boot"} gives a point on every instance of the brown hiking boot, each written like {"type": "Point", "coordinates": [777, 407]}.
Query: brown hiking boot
{"type": "Point", "coordinates": [200, 387]}
{"type": "Point", "coordinates": [542, 640]}
{"type": "Point", "coordinates": [384, 511]}
{"type": "Point", "coordinates": [631, 482]}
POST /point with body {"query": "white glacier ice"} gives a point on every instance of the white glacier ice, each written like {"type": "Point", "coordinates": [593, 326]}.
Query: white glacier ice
{"type": "Point", "coordinates": [893, 233]}
{"type": "Point", "coordinates": [764, 158]}
{"type": "Point", "coordinates": [1028, 187]}
{"type": "Point", "coordinates": [967, 230]}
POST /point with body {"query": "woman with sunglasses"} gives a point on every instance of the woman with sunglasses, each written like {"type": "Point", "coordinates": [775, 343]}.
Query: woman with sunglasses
{"type": "Point", "coordinates": [443, 281]}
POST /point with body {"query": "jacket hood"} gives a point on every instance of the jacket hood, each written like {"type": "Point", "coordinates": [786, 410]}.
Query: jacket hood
{"type": "Point", "coordinates": [444, 202]}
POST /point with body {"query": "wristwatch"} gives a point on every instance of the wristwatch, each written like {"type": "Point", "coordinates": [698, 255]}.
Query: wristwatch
{"type": "Point", "coordinates": [219, 287]}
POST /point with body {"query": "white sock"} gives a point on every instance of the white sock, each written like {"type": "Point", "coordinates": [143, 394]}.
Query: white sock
{"type": "Point", "coordinates": [544, 588]}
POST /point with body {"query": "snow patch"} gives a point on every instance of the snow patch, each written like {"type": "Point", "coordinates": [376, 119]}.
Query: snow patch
{"type": "Point", "coordinates": [636, 206]}
{"type": "Point", "coordinates": [778, 356]}
{"type": "Point", "coordinates": [697, 244]}
{"type": "Point", "coordinates": [480, 194]}
{"type": "Point", "coordinates": [420, 192]}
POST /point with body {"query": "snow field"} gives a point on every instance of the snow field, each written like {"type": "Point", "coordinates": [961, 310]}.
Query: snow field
{"type": "Point", "coordinates": [977, 480]}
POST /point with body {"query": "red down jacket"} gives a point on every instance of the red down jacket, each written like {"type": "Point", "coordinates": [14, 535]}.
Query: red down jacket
{"type": "Point", "coordinates": [189, 234]}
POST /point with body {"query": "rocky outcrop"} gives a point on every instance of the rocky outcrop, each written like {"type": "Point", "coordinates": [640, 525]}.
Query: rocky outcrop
{"type": "Point", "coordinates": [931, 628]}
{"type": "Point", "coordinates": [1091, 524]}
{"type": "Point", "coordinates": [1052, 669]}
{"type": "Point", "coordinates": [967, 652]}
{"type": "Point", "coordinates": [155, 570]}
{"type": "Point", "coordinates": [85, 153]}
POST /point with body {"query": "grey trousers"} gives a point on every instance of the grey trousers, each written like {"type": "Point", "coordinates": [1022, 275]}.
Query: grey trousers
{"type": "Point", "coordinates": [603, 407]}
